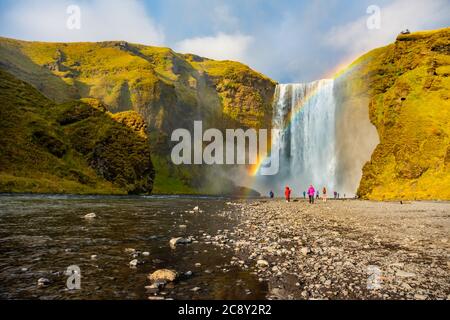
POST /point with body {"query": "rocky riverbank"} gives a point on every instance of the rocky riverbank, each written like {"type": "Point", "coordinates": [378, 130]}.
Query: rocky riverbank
{"type": "Point", "coordinates": [343, 249]}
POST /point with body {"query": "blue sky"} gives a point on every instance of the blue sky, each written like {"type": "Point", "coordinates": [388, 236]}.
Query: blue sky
{"type": "Point", "coordinates": [289, 40]}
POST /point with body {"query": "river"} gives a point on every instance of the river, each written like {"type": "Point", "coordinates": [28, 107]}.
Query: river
{"type": "Point", "coordinates": [42, 235]}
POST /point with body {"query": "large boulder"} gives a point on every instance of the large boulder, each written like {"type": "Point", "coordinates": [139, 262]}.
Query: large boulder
{"type": "Point", "coordinates": [163, 275]}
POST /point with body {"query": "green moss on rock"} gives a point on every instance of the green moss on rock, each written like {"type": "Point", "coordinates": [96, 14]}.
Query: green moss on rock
{"type": "Point", "coordinates": [408, 86]}
{"type": "Point", "coordinates": [68, 148]}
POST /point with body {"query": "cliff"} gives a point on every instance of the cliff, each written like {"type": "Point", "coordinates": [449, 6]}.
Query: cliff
{"type": "Point", "coordinates": [169, 90]}
{"type": "Point", "coordinates": [406, 86]}
{"type": "Point", "coordinates": [73, 147]}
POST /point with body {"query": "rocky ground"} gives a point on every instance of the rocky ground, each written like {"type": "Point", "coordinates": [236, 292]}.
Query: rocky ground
{"type": "Point", "coordinates": [343, 249]}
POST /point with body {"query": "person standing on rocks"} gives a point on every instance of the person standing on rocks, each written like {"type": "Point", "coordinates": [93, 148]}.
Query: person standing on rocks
{"type": "Point", "coordinates": [311, 194]}
{"type": "Point", "coordinates": [271, 194]}
{"type": "Point", "coordinates": [304, 194]}
{"type": "Point", "coordinates": [287, 194]}
{"type": "Point", "coordinates": [324, 194]}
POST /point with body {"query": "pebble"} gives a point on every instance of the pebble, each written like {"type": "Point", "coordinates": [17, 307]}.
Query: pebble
{"type": "Point", "coordinates": [174, 242]}
{"type": "Point", "coordinates": [134, 263]}
{"type": "Point", "coordinates": [262, 264]}
{"type": "Point", "coordinates": [305, 251]}
{"type": "Point", "coordinates": [153, 288]}
{"type": "Point", "coordinates": [340, 240]}
{"type": "Point", "coordinates": [405, 274]}
{"type": "Point", "coordinates": [43, 282]}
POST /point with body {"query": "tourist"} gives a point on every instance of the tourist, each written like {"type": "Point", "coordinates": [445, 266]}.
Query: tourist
{"type": "Point", "coordinates": [271, 194]}
{"type": "Point", "coordinates": [335, 195]}
{"type": "Point", "coordinates": [287, 194]}
{"type": "Point", "coordinates": [311, 193]}
{"type": "Point", "coordinates": [317, 194]}
{"type": "Point", "coordinates": [304, 194]}
{"type": "Point", "coordinates": [324, 194]}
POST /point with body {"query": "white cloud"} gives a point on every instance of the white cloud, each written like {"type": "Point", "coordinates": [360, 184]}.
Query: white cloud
{"type": "Point", "coordinates": [101, 20]}
{"type": "Point", "coordinates": [223, 18]}
{"type": "Point", "coordinates": [220, 47]}
{"type": "Point", "coordinates": [355, 38]}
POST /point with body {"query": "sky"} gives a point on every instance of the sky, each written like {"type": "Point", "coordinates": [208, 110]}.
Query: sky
{"type": "Point", "coordinates": [288, 40]}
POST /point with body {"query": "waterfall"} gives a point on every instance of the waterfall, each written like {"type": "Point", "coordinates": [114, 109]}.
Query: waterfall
{"type": "Point", "coordinates": [306, 115]}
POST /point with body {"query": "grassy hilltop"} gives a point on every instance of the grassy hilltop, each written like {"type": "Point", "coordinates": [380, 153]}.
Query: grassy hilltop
{"type": "Point", "coordinates": [168, 88]}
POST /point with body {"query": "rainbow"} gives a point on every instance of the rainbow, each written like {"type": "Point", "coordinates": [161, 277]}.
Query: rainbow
{"type": "Point", "coordinates": [341, 70]}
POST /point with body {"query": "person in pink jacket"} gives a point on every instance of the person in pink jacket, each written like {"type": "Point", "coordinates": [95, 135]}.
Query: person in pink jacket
{"type": "Point", "coordinates": [311, 194]}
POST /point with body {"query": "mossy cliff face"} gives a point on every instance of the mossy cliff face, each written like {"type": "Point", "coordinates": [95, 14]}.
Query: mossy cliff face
{"type": "Point", "coordinates": [407, 87]}
{"type": "Point", "coordinates": [69, 148]}
{"type": "Point", "coordinates": [169, 90]}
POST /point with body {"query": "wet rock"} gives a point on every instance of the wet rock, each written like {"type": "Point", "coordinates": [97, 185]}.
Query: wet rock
{"type": "Point", "coordinates": [279, 294]}
{"type": "Point", "coordinates": [174, 242]}
{"type": "Point", "coordinates": [153, 288]}
{"type": "Point", "coordinates": [43, 282]}
{"type": "Point", "coordinates": [163, 275]}
{"type": "Point", "coordinates": [134, 263]}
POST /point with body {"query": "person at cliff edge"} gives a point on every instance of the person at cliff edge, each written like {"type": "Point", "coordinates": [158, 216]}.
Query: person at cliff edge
{"type": "Point", "coordinates": [311, 194]}
{"type": "Point", "coordinates": [287, 194]}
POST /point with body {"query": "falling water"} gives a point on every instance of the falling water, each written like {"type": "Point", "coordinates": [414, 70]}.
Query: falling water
{"type": "Point", "coordinates": [306, 113]}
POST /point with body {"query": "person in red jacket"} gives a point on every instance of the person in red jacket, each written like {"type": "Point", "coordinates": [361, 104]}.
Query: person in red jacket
{"type": "Point", "coordinates": [287, 194]}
